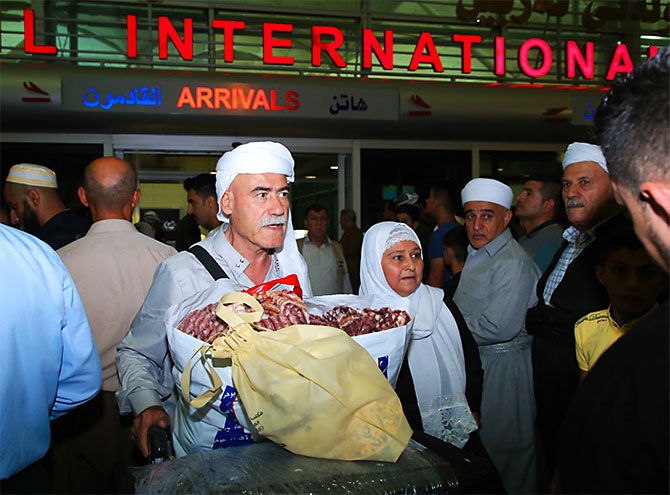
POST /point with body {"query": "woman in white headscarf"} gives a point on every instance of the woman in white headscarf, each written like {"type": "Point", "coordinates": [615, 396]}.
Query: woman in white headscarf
{"type": "Point", "coordinates": [392, 268]}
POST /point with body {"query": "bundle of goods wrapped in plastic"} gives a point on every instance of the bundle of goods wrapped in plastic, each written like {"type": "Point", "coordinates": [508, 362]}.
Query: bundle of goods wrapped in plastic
{"type": "Point", "coordinates": [267, 468]}
{"type": "Point", "coordinates": [315, 376]}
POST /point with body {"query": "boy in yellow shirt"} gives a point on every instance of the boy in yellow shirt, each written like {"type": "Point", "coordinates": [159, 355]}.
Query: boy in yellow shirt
{"type": "Point", "coordinates": [633, 283]}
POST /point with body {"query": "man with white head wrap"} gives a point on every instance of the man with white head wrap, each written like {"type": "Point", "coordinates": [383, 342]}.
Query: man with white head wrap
{"type": "Point", "coordinates": [497, 287]}
{"type": "Point", "coordinates": [569, 289]}
{"type": "Point", "coordinates": [615, 434]}
{"type": "Point", "coordinates": [255, 244]}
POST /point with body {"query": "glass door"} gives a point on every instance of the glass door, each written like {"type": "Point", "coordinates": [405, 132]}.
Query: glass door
{"type": "Point", "coordinates": [162, 173]}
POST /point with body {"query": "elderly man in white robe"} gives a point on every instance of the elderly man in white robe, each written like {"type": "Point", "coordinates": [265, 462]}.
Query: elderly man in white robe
{"type": "Point", "coordinates": [497, 287]}
{"type": "Point", "coordinates": [255, 244]}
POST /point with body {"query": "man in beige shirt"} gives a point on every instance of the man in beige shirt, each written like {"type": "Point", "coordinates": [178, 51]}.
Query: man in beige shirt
{"type": "Point", "coordinates": [112, 267]}
{"type": "Point", "coordinates": [326, 265]}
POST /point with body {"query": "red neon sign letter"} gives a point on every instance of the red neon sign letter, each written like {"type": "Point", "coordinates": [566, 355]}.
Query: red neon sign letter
{"type": "Point", "coordinates": [186, 98]}
{"type": "Point", "coordinates": [166, 29]}
{"type": "Point", "coordinates": [29, 45]}
{"type": "Point", "coordinates": [384, 56]}
{"type": "Point", "coordinates": [425, 42]}
{"type": "Point", "coordinates": [500, 56]}
{"type": "Point", "coordinates": [573, 55]}
{"type": "Point", "coordinates": [131, 35]}
{"type": "Point", "coordinates": [331, 48]}
{"type": "Point", "coordinates": [229, 28]}
{"type": "Point", "coordinates": [269, 43]}
{"type": "Point", "coordinates": [544, 47]}
{"type": "Point", "coordinates": [620, 62]}
{"type": "Point", "coordinates": [204, 96]}
{"type": "Point", "coordinates": [466, 58]}
{"type": "Point", "coordinates": [292, 101]}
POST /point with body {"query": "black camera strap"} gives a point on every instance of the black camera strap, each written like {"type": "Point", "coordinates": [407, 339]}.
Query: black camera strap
{"type": "Point", "coordinates": [208, 262]}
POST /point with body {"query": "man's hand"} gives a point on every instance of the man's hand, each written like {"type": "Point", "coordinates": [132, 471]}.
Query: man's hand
{"type": "Point", "coordinates": [154, 415]}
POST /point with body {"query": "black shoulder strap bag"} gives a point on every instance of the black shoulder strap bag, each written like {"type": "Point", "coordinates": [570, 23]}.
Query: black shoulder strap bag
{"type": "Point", "coordinates": [208, 262]}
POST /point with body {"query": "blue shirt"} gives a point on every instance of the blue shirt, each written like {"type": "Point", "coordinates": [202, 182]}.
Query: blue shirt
{"type": "Point", "coordinates": [50, 364]}
{"type": "Point", "coordinates": [577, 243]}
{"type": "Point", "coordinates": [436, 248]}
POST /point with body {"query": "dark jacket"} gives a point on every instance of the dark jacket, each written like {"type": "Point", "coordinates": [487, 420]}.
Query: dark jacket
{"type": "Point", "coordinates": [578, 294]}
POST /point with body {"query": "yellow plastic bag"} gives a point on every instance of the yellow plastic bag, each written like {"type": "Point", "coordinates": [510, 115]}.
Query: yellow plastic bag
{"type": "Point", "coordinates": [312, 389]}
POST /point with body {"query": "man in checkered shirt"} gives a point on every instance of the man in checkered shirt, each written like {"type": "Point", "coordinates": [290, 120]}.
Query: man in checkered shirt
{"type": "Point", "coordinates": [568, 289]}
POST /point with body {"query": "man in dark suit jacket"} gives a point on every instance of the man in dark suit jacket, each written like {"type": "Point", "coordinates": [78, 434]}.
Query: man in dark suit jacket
{"type": "Point", "coordinates": [569, 289]}
{"type": "Point", "coordinates": [615, 436]}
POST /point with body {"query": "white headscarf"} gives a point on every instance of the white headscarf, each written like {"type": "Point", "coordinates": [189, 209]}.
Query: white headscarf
{"type": "Point", "coordinates": [435, 352]}
{"type": "Point", "coordinates": [264, 157]}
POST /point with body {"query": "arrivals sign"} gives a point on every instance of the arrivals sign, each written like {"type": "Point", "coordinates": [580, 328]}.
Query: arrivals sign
{"type": "Point", "coordinates": [376, 48]}
{"type": "Point", "coordinates": [133, 94]}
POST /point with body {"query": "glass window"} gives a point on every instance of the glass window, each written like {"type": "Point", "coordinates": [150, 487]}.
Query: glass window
{"type": "Point", "coordinates": [385, 174]}
{"type": "Point", "coordinates": [162, 175]}
{"type": "Point", "coordinates": [515, 167]}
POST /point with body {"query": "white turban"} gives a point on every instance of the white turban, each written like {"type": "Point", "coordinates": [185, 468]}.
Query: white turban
{"type": "Point", "coordinates": [489, 190]}
{"type": "Point", "coordinates": [584, 152]}
{"type": "Point", "coordinates": [261, 157]}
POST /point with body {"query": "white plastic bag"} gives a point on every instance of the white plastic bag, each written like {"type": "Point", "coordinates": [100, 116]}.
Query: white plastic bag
{"type": "Point", "coordinates": [222, 422]}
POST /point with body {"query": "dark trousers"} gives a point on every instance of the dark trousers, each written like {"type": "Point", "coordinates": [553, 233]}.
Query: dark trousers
{"type": "Point", "coordinates": [33, 479]}
{"type": "Point", "coordinates": [91, 449]}
{"type": "Point", "coordinates": [556, 376]}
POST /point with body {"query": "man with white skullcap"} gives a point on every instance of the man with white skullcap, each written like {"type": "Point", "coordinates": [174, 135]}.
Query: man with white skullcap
{"type": "Point", "coordinates": [31, 194]}
{"type": "Point", "coordinates": [497, 287]}
{"type": "Point", "coordinates": [255, 244]}
{"type": "Point", "coordinates": [615, 436]}
{"type": "Point", "coordinates": [569, 289]}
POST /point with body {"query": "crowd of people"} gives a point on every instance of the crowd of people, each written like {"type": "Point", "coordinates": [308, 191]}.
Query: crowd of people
{"type": "Point", "coordinates": [537, 360]}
